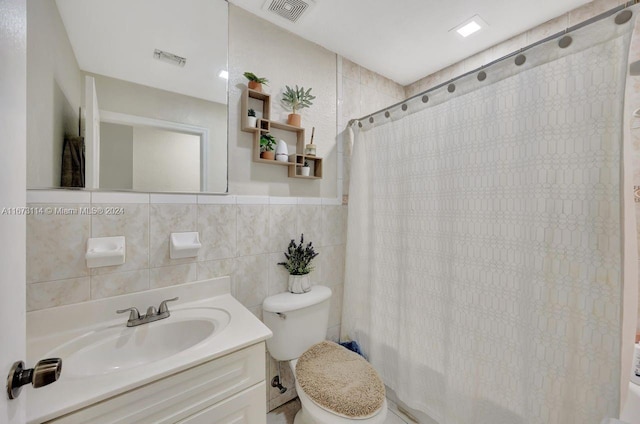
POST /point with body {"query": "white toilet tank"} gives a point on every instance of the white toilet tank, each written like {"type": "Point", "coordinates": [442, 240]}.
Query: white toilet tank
{"type": "Point", "coordinates": [298, 321]}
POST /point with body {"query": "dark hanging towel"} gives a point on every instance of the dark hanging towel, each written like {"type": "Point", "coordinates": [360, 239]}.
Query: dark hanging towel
{"type": "Point", "coordinates": [72, 170]}
{"type": "Point", "coordinates": [72, 162]}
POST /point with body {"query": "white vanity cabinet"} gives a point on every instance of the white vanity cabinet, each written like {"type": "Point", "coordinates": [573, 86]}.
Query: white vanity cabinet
{"type": "Point", "coordinates": [229, 389]}
{"type": "Point", "coordinates": [204, 363]}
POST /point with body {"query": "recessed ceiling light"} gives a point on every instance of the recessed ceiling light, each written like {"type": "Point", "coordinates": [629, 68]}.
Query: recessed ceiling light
{"type": "Point", "coordinates": [223, 74]}
{"type": "Point", "coordinates": [469, 29]}
{"type": "Point", "coordinates": [470, 26]}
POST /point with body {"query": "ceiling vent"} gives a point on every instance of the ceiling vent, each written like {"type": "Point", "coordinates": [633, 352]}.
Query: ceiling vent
{"type": "Point", "coordinates": [291, 10]}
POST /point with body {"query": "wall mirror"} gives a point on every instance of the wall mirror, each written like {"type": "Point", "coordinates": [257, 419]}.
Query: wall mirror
{"type": "Point", "coordinates": [140, 86]}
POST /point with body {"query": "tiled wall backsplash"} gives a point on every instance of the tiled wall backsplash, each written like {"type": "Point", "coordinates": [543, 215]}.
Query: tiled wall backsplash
{"type": "Point", "coordinates": [241, 236]}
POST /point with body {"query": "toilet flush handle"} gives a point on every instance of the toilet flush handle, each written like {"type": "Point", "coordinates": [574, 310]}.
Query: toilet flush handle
{"type": "Point", "coordinates": [281, 315]}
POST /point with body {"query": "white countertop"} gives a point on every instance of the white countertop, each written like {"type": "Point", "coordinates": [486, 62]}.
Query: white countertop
{"type": "Point", "coordinates": [49, 329]}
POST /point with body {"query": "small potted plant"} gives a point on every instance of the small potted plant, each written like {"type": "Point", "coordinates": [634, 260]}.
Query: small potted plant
{"type": "Point", "coordinates": [294, 100]}
{"type": "Point", "coordinates": [252, 118]}
{"type": "Point", "coordinates": [298, 264]}
{"type": "Point", "coordinates": [255, 82]}
{"type": "Point", "coordinates": [267, 144]}
{"type": "Point", "coordinates": [306, 169]}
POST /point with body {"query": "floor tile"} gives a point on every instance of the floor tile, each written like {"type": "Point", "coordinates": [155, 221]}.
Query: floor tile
{"type": "Point", "coordinates": [393, 419]}
{"type": "Point", "coordinates": [285, 413]}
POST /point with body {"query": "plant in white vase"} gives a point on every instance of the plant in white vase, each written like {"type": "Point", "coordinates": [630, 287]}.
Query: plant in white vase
{"type": "Point", "coordinates": [306, 169]}
{"type": "Point", "coordinates": [298, 264]}
{"type": "Point", "coordinates": [252, 119]}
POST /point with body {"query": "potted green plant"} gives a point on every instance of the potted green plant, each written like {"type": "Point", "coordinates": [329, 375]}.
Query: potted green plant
{"type": "Point", "coordinates": [306, 169]}
{"type": "Point", "coordinates": [252, 119]}
{"type": "Point", "coordinates": [267, 145]}
{"type": "Point", "coordinates": [294, 100]}
{"type": "Point", "coordinates": [255, 82]}
{"type": "Point", "coordinates": [298, 264]}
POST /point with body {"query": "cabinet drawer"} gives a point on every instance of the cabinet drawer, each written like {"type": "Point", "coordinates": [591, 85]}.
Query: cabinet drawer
{"type": "Point", "coordinates": [178, 396]}
{"type": "Point", "coordinates": [247, 407]}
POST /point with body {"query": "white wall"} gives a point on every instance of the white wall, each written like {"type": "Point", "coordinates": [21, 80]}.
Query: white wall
{"type": "Point", "coordinates": [116, 156]}
{"type": "Point", "coordinates": [165, 160]}
{"type": "Point", "coordinates": [260, 47]}
{"type": "Point", "coordinates": [12, 194]}
{"type": "Point", "coordinates": [54, 89]}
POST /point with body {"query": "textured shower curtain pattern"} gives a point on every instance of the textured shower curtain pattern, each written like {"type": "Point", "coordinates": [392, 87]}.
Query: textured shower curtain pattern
{"type": "Point", "coordinates": [483, 253]}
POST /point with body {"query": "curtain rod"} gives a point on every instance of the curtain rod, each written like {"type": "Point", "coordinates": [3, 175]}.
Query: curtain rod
{"type": "Point", "coordinates": [517, 52]}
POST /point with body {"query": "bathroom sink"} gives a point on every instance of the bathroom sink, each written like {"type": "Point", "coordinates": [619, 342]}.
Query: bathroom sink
{"type": "Point", "coordinates": [115, 347]}
{"type": "Point", "coordinates": [104, 360]}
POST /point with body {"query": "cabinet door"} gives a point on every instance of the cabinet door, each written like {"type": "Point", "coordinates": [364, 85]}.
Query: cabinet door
{"type": "Point", "coordinates": [171, 399]}
{"type": "Point", "coordinates": [247, 407]}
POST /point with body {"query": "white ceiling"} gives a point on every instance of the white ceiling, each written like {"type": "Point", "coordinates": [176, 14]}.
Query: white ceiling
{"type": "Point", "coordinates": [117, 38]}
{"type": "Point", "coordinates": [403, 40]}
{"type": "Point", "coordinates": [406, 40]}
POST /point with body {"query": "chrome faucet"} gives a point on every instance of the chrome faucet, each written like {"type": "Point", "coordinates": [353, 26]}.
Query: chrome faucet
{"type": "Point", "coordinates": [151, 315]}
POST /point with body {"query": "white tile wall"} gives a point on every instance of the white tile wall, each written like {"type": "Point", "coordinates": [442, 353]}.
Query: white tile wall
{"type": "Point", "coordinates": [53, 237]}
{"type": "Point", "coordinates": [360, 91]}
{"type": "Point", "coordinates": [133, 224]}
{"type": "Point", "coordinates": [243, 240]}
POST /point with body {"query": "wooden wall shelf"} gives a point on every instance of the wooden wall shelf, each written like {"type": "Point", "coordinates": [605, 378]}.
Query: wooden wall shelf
{"type": "Point", "coordinates": [272, 162]}
{"type": "Point", "coordinates": [315, 163]}
{"type": "Point", "coordinates": [258, 98]}
{"type": "Point", "coordinates": [250, 98]}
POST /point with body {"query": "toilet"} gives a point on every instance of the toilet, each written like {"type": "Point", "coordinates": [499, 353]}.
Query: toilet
{"type": "Point", "coordinates": [299, 324]}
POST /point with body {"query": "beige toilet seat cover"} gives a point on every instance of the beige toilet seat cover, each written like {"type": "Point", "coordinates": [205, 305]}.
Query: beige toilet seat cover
{"type": "Point", "coordinates": [340, 380]}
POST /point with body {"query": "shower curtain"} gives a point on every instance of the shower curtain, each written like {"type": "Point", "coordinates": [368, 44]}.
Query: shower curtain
{"type": "Point", "coordinates": [483, 269]}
